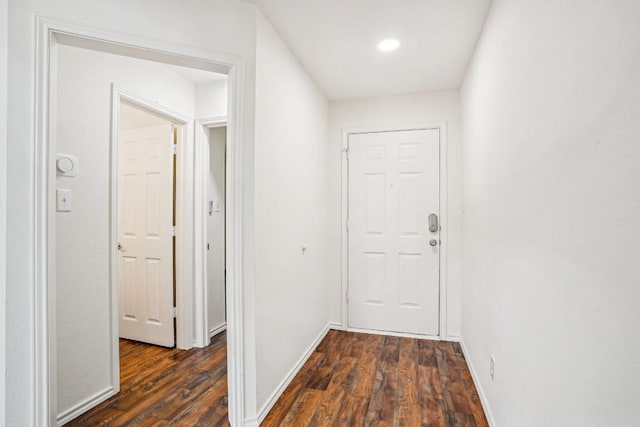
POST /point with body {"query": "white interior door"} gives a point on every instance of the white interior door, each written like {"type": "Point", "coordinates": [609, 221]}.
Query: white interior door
{"type": "Point", "coordinates": [393, 273]}
{"type": "Point", "coordinates": [145, 238]}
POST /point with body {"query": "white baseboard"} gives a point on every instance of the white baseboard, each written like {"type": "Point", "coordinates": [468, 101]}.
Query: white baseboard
{"type": "Point", "coordinates": [215, 331]}
{"type": "Point", "coordinates": [474, 377]}
{"type": "Point", "coordinates": [262, 414]}
{"type": "Point", "coordinates": [251, 422]}
{"type": "Point", "coordinates": [85, 405]}
{"type": "Point", "coordinates": [336, 326]}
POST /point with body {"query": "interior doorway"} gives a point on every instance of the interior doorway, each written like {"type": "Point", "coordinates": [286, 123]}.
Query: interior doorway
{"type": "Point", "coordinates": [146, 223]}
{"type": "Point", "coordinates": [80, 368]}
{"type": "Point", "coordinates": [215, 272]}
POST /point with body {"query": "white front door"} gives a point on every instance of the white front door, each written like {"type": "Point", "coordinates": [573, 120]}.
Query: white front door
{"type": "Point", "coordinates": [393, 279]}
{"type": "Point", "coordinates": [145, 240]}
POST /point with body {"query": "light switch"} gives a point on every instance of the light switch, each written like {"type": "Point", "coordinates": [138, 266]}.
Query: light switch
{"type": "Point", "coordinates": [63, 200]}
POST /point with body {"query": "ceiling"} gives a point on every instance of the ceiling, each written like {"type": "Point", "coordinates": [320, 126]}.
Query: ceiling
{"type": "Point", "coordinates": [336, 40]}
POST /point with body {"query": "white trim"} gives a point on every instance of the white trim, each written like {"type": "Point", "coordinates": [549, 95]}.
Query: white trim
{"type": "Point", "coordinates": [85, 405]}
{"type": "Point", "coordinates": [184, 238]}
{"type": "Point", "coordinates": [262, 413]}
{"type": "Point", "coordinates": [150, 106]}
{"type": "Point", "coordinates": [44, 233]}
{"type": "Point", "coordinates": [44, 362]}
{"type": "Point", "coordinates": [444, 222]}
{"type": "Point", "coordinates": [4, 46]}
{"type": "Point", "coordinates": [234, 248]}
{"type": "Point", "coordinates": [215, 331]}
{"type": "Point", "coordinates": [213, 122]}
{"type": "Point", "coordinates": [113, 241]}
{"type": "Point", "coordinates": [474, 376]}
{"type": "Point", "coordinates": [336, 326]}
{"type": "Point", "coordinates": [251, 422]}
{"type": "Point", "coordinates": [201, 168]}
{"type": "Point", "coordinates": [444, 228]}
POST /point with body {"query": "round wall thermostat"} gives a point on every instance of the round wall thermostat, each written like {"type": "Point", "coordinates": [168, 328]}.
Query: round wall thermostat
{"type": "Point", "coordinates": [66, 165]}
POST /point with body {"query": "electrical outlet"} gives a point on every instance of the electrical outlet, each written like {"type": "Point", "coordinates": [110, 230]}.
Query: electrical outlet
{"type": "Point", "coordinates": [492, 368]}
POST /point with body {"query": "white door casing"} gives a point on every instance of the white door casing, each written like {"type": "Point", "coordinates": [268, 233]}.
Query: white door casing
{"type": "Point", "coordinates": [145, 238]}
{"type": "Point", "coordinates": [49, 33]}
{"type": "Point", "coordinates": [393, 271]}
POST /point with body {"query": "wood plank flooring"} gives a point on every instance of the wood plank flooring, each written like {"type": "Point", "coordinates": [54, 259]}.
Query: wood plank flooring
{"type": "Point", "coordinates": [351, 379]}
{"type": "Point", "coordinates": [166, 387]}
{"type": "Point", "coordinates": [355, 379]}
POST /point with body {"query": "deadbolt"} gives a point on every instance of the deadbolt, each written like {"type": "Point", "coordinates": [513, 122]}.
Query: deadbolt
{"type": "Point", "coordinates": [433, 223]}
{"type": "Point", "coordinates": [433, 242]}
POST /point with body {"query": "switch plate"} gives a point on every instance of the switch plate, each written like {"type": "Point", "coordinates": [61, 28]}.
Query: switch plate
{"type": "Point", "coordinates": [63, 200]}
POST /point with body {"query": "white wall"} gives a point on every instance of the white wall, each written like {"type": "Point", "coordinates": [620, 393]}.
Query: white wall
{"type": "Point", "coordinates": [214, 25]}
{"type": "Point", "coordinates": [291, 211]}
{"type": "Point", "coordinates": [428, 108]}
{"type": "Point", "coordinates": [211, 99]}
{"type": "Point", "coordinates": [216, 309]}
{"type": "Point", "coordinates": [82, 243]}
{"type": "Point", "coordinates": [551, 108]}
{"type": "Point", "coordinates": [3, 198]}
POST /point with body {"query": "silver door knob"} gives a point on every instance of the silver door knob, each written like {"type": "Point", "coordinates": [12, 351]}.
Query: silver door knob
{"type": "Point", "coordinates": [433, 242]}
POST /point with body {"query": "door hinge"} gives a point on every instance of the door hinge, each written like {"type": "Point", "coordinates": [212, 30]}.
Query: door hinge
{"type": "Point", "coordinates": [346, 152]}
{"type": "Point", "coordinates": [174, 312]}
{"type": "Point", "coordinates": [347, 226]}
{"type": "Point", "coordinates": [346, 294]}
{"type": "Point", "coordinates": [172, 231]}
{"type": "Point", "coordinates": [174, 149]}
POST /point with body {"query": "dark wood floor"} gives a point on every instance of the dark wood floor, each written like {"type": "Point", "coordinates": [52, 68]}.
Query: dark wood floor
{"type": "Point", "coordinates": [166, 387]}
{"type": "Point", "coordinates": [372, 380]}
{"type": "Point", "coordinates": [351, 379]}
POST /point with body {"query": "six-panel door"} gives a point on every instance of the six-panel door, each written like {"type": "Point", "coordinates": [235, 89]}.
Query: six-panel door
{"type": "Point", "coordinates": [145, 220]}
{"type": "Point", "coordinates": [393, 276]}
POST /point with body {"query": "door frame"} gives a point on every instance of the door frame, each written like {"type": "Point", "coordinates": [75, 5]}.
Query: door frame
{"type": "Point", "coordinates": [202, 336]}
{"type": "Point", "coordinates": [184, 313]}
{"type": "Point", "coordinates": [442, 279]}
{"type": "Point", "coordinates": [48, 33]}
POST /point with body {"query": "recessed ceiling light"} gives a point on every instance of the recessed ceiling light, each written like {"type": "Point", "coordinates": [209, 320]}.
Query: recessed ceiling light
{"type": "Point", "coordinates": [388, 45]}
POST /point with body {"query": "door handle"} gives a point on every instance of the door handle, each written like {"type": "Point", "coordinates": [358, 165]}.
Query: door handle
{"type": "Point", "coordinates": [120, 247]}
{"type": "Point", "coordinates": [433, 223]}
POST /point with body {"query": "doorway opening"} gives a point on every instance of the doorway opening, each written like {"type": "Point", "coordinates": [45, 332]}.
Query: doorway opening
{"type": "Point", "coordinates": [394, 198]}
{"type": "Point", "coordinates": [82, 245]}
{"type": "Point", "coordinates": [211, 188]}
{"type": "Point", "coordinates": [147, 145]}
{"type": "Point", "coordinates": [215, 231]}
